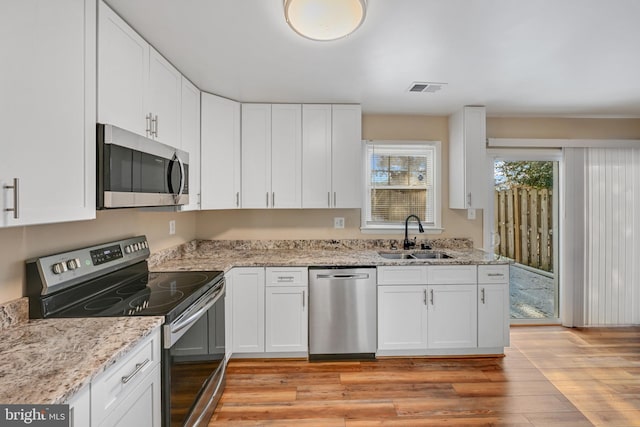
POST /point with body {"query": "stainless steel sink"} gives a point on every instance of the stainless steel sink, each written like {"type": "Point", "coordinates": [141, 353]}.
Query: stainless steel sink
{"type": "Point", "coordinates": [395, 255]}
{"type": "Point", "coordinates": [414, 255]}
{"type": "Point", "coordinates": [430, 255]}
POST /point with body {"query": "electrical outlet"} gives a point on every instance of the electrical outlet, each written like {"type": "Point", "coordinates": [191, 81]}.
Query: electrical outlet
{"type": "Point", "coordinates": [338, 222]}
{"type": "Point", "coordinates": [471, 214]}
{"type": "Point", "coordinates": [172, 227]}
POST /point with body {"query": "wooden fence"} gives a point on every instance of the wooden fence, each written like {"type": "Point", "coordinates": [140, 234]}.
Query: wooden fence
{"type": "Point", "coordinates": [523, 221]}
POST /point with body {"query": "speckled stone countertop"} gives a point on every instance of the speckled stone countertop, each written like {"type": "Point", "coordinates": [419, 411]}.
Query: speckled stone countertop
{"type": "Point", "coordinates": [47, 361]}
{"type": "Point", "coordinates": [226, 254]}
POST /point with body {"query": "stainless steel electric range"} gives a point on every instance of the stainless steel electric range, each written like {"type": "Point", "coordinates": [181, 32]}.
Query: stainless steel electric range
{"type": "Point", "coordinates": [113, 279]}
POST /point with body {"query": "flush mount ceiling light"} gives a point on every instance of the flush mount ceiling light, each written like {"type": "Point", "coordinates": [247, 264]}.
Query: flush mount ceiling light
{"type": "Point", "coordinates": [324, 20]}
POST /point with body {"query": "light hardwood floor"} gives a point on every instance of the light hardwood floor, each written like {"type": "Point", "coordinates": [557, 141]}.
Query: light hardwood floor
{"type": "Point", "coordinates": [551, 376]}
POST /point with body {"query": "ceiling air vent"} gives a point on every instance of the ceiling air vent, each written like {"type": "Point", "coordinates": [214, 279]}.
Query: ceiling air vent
{"type": "Point", "coordinates": [427, 87]}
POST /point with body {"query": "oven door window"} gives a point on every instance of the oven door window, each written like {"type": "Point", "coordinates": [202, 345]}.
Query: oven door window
{"type": "Point", "coordinates": [197, 361]}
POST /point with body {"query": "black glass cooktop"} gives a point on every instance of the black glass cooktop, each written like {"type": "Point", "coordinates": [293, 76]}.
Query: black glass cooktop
{"type": "Point", "coordinates": [142, 293]}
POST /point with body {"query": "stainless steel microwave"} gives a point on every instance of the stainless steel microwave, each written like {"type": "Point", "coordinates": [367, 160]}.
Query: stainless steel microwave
{"type": "Point", "coordinates": [134, 171]}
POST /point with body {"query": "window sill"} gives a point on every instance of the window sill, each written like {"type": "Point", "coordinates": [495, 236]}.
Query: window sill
{"type": "Point", "coordinates": [400, 229]}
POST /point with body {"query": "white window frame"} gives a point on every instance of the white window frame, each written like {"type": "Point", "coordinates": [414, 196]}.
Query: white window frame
{"type": "Point", "coordinates": [436, 227]}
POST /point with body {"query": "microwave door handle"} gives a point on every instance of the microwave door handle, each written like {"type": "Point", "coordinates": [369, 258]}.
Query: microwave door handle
{"type": "Point", "coordinates": [179, 160]}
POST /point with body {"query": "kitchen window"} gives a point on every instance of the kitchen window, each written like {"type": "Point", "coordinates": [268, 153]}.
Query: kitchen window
{"type": "Point", "coordinates": [402, 179]}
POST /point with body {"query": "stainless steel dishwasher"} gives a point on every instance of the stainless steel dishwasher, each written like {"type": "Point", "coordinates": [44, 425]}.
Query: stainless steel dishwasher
{"type": "Point", "coordinates": [342, 313]}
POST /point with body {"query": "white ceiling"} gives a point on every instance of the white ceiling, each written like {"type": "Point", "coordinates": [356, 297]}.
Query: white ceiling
{"type": "Point", "coordinates": [517, 57]}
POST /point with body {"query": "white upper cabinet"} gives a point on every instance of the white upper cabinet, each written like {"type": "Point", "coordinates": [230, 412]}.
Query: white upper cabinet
{"type": "Point", "coordinates": [346, 156]}
{"type": "Point", "coordinates": [138, 89]}
{"type": "Point", "coordinates": [47, 110]}
{"type": "Point", "coordinates": [190, 139]}
{"type": "Point", "coordinates": [164, 96]}
{"type": "Point", "coordinates": [331, 156]}
{"type": "Point", "coordinates": [316, 156]}
{"type": "Point", "coordinates": [468, 176]}
{"type": "Point", "coordinates": [256, 156]}
{"type": "Point", "coordinates": [286, 156]}
{"type": "Point", "coordinates": [123, 71]}
{"type": "Point", "coordinates": [220, 151]}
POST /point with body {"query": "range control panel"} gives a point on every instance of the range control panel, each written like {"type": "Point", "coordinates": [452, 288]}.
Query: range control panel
{"type": "Point", "coordinates": [65, 269]}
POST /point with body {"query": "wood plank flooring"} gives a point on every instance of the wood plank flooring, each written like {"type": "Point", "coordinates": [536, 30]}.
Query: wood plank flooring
{"type": "Point", "coordinates": [551, 376]}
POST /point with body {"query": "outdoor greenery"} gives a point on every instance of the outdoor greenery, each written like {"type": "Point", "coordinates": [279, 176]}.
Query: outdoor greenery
{"type": "Point", "coordinates": [524, 173]}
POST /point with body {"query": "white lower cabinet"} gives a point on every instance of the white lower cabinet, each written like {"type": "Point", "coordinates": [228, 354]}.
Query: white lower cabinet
{"type": "Point", "coordinates": [451, 317]}
{"type": "Point", "coordinates": [128, 393]}
{"type": "Point", "coordinates": [286, 315]}
{"type": "Point", "coordinates": [402, 317]}
{"type": "Point", "coordinates": [80, 408]}
{"type": "Point", "coordinates": [269, 310]}
{"type": "Point", "coordinates": [248, 309]}
{"type": "Point", "coordinates": [440, 310]}
{"type": "Point", "coordinates": [493, 306]}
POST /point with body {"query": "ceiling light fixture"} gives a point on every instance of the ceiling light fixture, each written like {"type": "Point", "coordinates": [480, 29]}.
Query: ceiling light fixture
{"type": "Point", "coordinates": [324, 20]}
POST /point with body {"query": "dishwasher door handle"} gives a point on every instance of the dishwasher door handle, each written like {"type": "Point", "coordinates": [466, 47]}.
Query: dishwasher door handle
{"type": "Point", "coordinates": [342, 276]}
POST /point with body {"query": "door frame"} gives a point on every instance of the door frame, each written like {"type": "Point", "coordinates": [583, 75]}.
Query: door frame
{"type": "Point", "coordinates": [528, 154]}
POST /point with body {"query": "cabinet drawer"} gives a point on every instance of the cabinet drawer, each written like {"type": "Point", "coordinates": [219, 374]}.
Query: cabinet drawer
{"type": "Point", "coordinates": [493, 273]}
{"type": "Point", "coordinates": [402, 275]}
{"type": "Point", "coordinates": [287, 276]}
{"type": "Point", "coordinates": [451, 274]}
{"type": "Point", "coordinates": [114, 384]}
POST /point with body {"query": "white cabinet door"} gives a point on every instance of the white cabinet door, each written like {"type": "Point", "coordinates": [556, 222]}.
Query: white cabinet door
{"type": "Point", "coordinates": [80, 408]}
{"type": "Point", "coordinates": [141, 408]}
{"type": "Point", "coordinates": [248, 309]}
{"type": "Point", "coordinates": [286, 156]}
{"type": "Point", "coordinates": [402, 317]}
{"type": "Point", "coordinates": [220, 171]}
{"type": "Point", "coordinates": [316, 156]}
{"type": "Point", "coordinates": [47, 111]}
{"type": "Point", "coordinates": [123, 71]}
{"type": "Point", "coordinates": [346, 156]}
{"type": "Point", "coordinates": [452, 318]}
{"type": "Point", "coordinates": [163, 100]}
{"type": "Point", "coordinates": [190, 139]}
{"type": "Point", "coordinates": [493, 306]}
{"type": "Point", "coordinates": [468, 177]}
{"type": "Point", "coordinates": [256, 155]}
{"type": "Point", "coordinates": [286, 319]}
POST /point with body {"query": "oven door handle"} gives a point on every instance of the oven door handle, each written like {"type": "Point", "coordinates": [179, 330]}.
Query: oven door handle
{"type": "Point", "coordinates": [183, 323]}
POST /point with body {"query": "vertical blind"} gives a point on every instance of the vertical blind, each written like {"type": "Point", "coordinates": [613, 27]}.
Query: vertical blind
{"type": "Point", "coordinates": [612, 244]}
{"type": "Point", "coordinates": [601, 260]}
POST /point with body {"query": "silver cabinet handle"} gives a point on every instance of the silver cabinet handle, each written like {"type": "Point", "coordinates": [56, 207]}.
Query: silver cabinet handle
{"type": "Point", "coordinates": [16, 198]}
{"type": "Point", "coordinates": [328, 199]}
{"type": "Point", "coordinates": [469, 199]}
{"type": "Point", "coordinates": [425, 297]}
{"type": "Point", "coordinates": [482, 295]}
{"type": "Point", "coordinates": [237, 199]}
{"type": "Point", "coordinates": [303, 299]}
{"type": "Point", "coordinates": [495, 274]}
{"type": "Point", "coordinates": [138, 368]}
{"type": "Point", "coordinates": [273, 199]}
{"type": "Point", "coordinates": [148, 120]}
{"type": "Point", "coordinates": [285, 278]}
{"type": "Point", "coordinates": [334, 200]}
{"type": "Point", "coordinates": [267, 199]}
{"type": "Point", "coordinates": [154, 122]}
{"type": "Point", "coordinates": [431, 296]}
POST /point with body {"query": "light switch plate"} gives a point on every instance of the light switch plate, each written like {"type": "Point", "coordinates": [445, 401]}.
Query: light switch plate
{"type": "Point", "coordinates": [338, 222]}
{"type": "Point", "coordinates": [172, 227]}
{"type": "Point", "coordinates": [471, 214]}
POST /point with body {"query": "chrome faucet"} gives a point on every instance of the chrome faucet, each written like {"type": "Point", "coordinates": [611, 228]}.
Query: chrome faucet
{"type": "Point", "coordinates": [407, 244]}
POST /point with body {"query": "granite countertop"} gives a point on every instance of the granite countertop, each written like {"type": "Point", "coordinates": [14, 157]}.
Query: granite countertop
{"type": "Point", "coordinates": [46, 361]}
{"type": "Point", "coordinates": [224, 255]}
